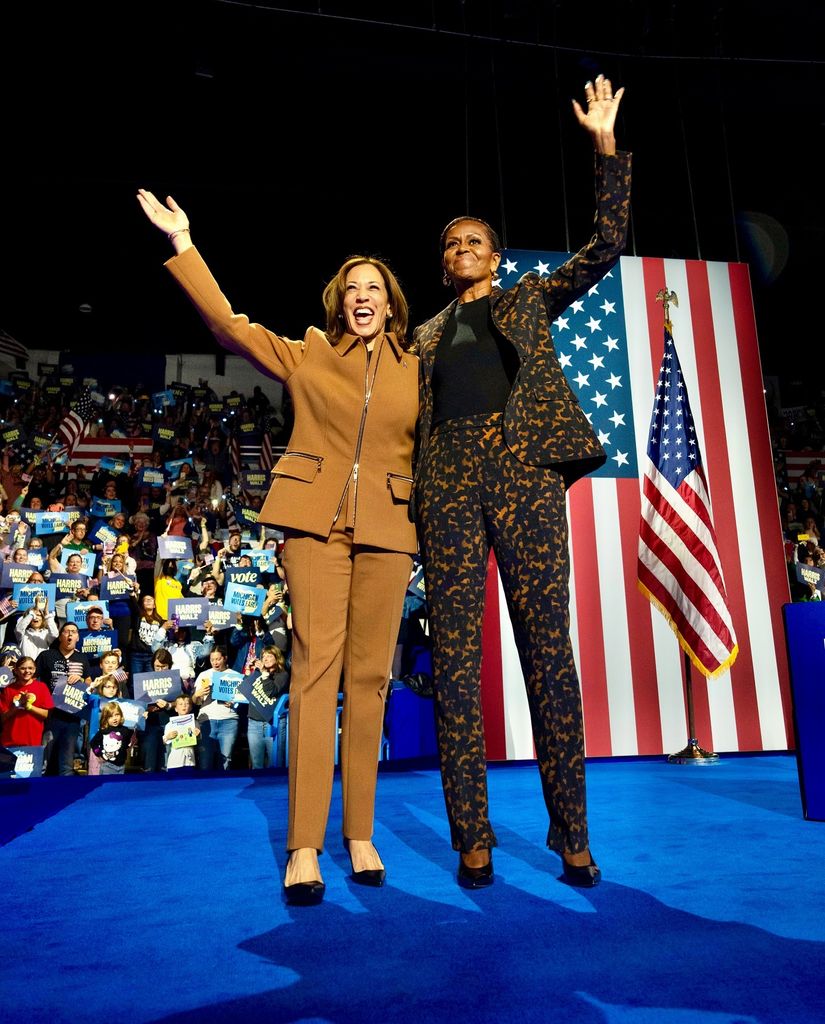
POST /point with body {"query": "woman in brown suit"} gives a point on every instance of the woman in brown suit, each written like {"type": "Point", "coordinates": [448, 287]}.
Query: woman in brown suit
{"type": "Point", "coordinates": [341, 494]}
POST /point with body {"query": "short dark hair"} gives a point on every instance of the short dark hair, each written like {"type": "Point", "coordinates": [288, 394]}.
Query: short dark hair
{"type": "Point", "coordinates": [492, 234]}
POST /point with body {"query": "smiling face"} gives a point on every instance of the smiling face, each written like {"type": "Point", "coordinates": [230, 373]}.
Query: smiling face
{"type": "Point", "coordinates": [366, 302]}
{"type": "Point", "coordinates": [24, 671]}
{"type": "Point", "coordinates": [468, 255]}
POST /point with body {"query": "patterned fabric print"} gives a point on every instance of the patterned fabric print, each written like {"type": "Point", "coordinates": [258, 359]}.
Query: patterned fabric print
{"type": "Point", "coordinates": [473, 493]}
{"type": "Point", "coordinates": [543, 422]}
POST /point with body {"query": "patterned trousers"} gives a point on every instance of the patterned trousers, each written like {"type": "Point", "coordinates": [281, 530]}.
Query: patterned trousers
{"type": "Point", "coordinates": [473, 493]}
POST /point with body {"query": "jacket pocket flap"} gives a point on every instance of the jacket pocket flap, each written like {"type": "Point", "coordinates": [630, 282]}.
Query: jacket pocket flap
{"type": "Point", "coordinates": [298, 466]}
{"type": "Point", "coordinates": [400, 486]}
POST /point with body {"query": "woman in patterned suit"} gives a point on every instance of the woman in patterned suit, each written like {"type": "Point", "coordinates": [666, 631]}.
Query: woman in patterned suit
{"type": "Point", "coordinates": [501, 437]}
{"type": "Point", "coordinates": [341, 493]}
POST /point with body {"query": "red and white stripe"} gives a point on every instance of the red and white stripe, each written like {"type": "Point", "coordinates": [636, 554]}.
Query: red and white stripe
{"type": "Point", "coordinates": [88, 451]}
{"type": "Point", "coordinates": [629, 661]}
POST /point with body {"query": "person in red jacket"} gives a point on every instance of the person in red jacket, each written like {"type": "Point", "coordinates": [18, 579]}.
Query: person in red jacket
{"type": "Point", "coordinates": [24, 706]}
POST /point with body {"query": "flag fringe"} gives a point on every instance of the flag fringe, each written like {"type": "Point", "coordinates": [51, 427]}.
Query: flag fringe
{"type": "Point", "coordinates": [726, 664]}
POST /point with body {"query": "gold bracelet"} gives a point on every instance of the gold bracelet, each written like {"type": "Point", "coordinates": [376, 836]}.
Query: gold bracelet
{"type": "Point", "coordinates": [179, 231]}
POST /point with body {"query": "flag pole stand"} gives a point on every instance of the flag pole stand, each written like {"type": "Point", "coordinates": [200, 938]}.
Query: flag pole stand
{"type": "Point", "coordinates": [692, 753]}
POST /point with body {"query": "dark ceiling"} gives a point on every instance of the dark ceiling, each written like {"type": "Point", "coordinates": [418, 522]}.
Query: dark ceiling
{"type": "Point", "coordinates": [296, 134]}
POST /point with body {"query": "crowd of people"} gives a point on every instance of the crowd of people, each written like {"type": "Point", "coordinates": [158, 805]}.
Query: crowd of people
{"type": "Point", "coordinates": [87, 598]}
{"type": "Point", "coordinates": [801, 498]}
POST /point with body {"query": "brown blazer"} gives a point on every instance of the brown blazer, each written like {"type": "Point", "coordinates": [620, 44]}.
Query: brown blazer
{"type": "Point", "coordinates": [327, 383]}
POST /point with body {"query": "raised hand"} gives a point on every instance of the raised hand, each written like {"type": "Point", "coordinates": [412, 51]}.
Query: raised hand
{"type": "Point", "coordinates": [169, 218]}
{"type": "Point", "coordinates": [600, 117]}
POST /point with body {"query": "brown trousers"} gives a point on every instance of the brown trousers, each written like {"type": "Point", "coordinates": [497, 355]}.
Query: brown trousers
{"type": "Point", "coordinates": [346, 609]}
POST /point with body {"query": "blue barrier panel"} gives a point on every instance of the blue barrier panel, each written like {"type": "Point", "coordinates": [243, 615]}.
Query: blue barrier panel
{"type": "Point", "coordinates": [805, 636]}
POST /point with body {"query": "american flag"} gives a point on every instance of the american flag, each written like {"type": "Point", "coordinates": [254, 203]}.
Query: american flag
{"type": "Point", "coordinates": [75, 422]}
{"type": "Point", "coordinates": [266, 460]}
{"type": "Point", "coordinates": [630, 664]}
{"type": "Point", "coordinates": [796, 462]}
{"type": "Point", "coordinates": [235, 458]}
{"type": "Point", "coordinates": [679, 570]}
{"type": "Point", "coordinates": [88, 451]}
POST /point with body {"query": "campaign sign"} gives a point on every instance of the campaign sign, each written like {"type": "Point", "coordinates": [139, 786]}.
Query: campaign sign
{"type": "Point", "coordinates": [173, 466]}
{"type": "Point", "coordinates": [114, 465]}
{"type": "Point", "coordinates": [87, 560]}
{"type": "Point", "coordinates": [164, 435]}
{"type": "Point", "coordinates": [93, 644]}
{"type": "Point", "coordinates": [189, 611]}
{"type": "Point", "coordinates": [37, 558]}
{"type": "Point", "coordinates": [102, 533]}
{"type": "Point", "coordinates": [220, 617]}
{"type": "Point", "coordinates": [67, 382]}
{"type": "Point", "coordinates": [51, 522]}
{"type": "Point", "coordinates": [225, 687]}
{"type": "Point", "coordinates": [6, 388]}
{"type": "Point", "coordinates": [117, 587]}
{"type": "Point", "coordinates": [26, 594]}
{"type": "Point", "coordinates": [28, 515]}
{"type": "Point", "coordinates": [254, 480]}
{"type": "Point", "coordinates": [15, 572]}
{"type": "Point", "coordinates": [263, 560]}
{"type": "Point", "coordinates": [174, 547]}
{"type": "Point", "coordinates": [249, 431]}
{"type": "Point", "coordinates": [41, 441]}
{"type": "Point", "coordinates": [247, 575]}
{"type": "Point", "coordinates": [811, 574]}
{"type": "Point", "coordinates": [68, 696]}
{"type": "Point", "coordinates": [246, 600]}
{"type": "Point", "coordinates": [67, 584]}
{"type": "Point", "coordinates": [133, 713]}
{"type": "Point", "coordinates": [28, 763]}
{"type": "Point", "coordinates": [161, 399]}
{"type": "Point", "coordinates": [76, 611]}
{"type": "Point", "coordinates": [149, 476]}
{"type": "Point", "coordinates": [154, 686]}
{"type": "Point", "coordinates": [252, 688]}
{"type": "Point", "coordinates": [185, 731]}
{"type": "Point", "coordinates": [232, 401]}
{"type": "Point", "coordinates": [6, 676]}
{"type": "Point", "coordinates": [105, 508]}
{"type": "Point", "coordinates": [215, 407]}
{"type": "Point", "coordinates": [12, 436]}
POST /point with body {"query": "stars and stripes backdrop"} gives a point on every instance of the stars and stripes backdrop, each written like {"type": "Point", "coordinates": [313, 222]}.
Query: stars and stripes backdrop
{"type": "Point", "coordinates": [610, 344]}
{"type": "Point", "coordinates": [88, 451]}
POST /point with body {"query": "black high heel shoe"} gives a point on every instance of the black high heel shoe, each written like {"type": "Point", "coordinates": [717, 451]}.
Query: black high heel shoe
{"type": "Point", "coordinates": [475, 878]}
{"type": "Point", "coordinates": [304, 894]}
{"type": "Point", "coordinates": [374, 877]}
{"type": "Point", "coordinates": [584, 877]}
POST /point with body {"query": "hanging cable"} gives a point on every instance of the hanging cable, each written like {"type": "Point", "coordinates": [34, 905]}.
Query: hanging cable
{"type": "Point", "coordinates": [501, 214]}
{"type": "Point", "coordinates": [562, 163]}
{"type": "Point", "coordinates": [687, 163]}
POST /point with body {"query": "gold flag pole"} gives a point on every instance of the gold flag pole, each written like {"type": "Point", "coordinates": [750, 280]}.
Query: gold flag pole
{"type": "Point", "coordinates": [692, 753]}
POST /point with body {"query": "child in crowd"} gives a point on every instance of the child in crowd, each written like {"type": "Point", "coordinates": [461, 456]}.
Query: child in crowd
{"type": "Point", "coordinates": [111, 742]}
{"type": "Point", "coordinates": [104, 689]}
{"type": "Point", "coordinates": [180, 757]}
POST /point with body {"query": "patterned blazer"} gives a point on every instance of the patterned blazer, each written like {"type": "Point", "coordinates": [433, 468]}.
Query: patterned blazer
{"type": "Point", "coordinates": [544, 425]}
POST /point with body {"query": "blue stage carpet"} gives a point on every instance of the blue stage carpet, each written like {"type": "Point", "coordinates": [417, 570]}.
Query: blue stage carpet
{"type": "Point", "coordinates": [155, 899]}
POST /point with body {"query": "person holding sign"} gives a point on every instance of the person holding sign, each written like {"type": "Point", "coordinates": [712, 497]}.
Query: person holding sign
{"type": "Point", "coordinates": [183, 729]}
{"type": "Point", "coordinates": [218, 720]}
{"type": "Point", "coordinates": [340, 493]}
{"type": "Point", "coordinates": [36, 631]}
{"type": "Point", "coordinates": [24, 707]}
{"type": "Point", "coordinates": [63, 660]}
{"type": "Point", "coordinates": [269, 681]}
